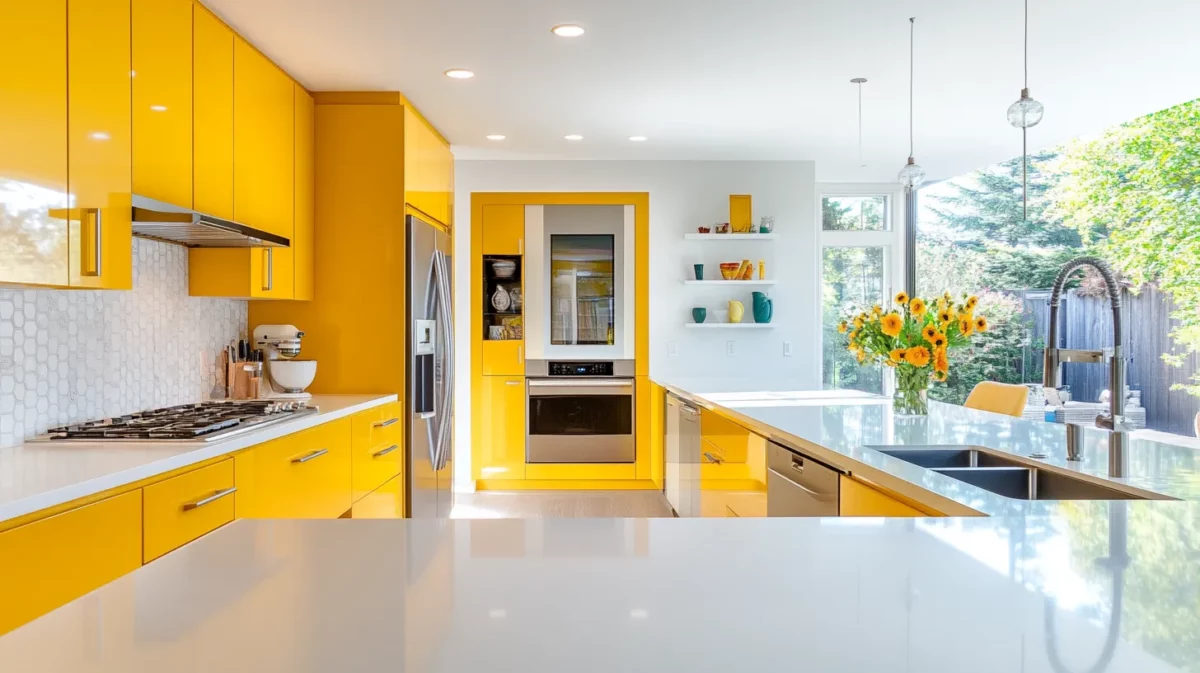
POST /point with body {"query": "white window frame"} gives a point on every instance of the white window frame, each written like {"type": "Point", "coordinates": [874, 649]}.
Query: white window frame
{"type": "Point", "coordinates": [892, 242]}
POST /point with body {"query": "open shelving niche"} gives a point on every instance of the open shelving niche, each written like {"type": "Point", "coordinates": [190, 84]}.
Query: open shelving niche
{"type": "Point", "coordinates": [490, 282]}
{"type": "Point", "coordinates": [754, 282]}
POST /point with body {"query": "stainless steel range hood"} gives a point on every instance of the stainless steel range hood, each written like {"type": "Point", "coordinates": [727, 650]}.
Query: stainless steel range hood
{"type": "Point", "coordinates": [165, 222]}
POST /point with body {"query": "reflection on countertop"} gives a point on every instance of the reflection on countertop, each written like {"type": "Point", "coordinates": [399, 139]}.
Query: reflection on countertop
{"type": "Point", "coordinates": [1109, 585]}
{"type": "Point", "coordinates": [838, 426]}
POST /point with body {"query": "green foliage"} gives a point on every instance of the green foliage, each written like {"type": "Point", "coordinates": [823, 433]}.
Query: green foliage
{"type": "Point", "coordinates": [1139, 183]}
{"type": "Point", "coordinates": [852, 280]}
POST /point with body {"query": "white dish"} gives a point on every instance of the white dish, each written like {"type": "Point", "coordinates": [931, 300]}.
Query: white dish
{"type": "Point", "coordinates": [292, 375]}
{"type": "Point", "coordinates": [504, 269]}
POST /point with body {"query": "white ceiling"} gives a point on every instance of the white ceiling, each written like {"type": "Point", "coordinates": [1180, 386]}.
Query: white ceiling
{"type": "Point", "coordinates": [748, 79]}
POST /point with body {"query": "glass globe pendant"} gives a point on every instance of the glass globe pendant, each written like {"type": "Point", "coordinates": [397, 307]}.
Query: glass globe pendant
{"type": "Point", "coordinates": [912, 175]}
{"type": "Point", "coordinates": [1026, 112]}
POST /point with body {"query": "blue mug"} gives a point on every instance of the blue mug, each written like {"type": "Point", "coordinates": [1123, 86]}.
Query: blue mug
{"type": "Point", "coordinates": [699, 314]}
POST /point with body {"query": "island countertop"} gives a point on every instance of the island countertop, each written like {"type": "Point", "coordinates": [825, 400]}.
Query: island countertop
{"type": "Point", "coordinates": [39, 475]}
{"type": "Point", "coordinates": [840, 427]}
{"type": "Point", "coordinates": [1101, 586]}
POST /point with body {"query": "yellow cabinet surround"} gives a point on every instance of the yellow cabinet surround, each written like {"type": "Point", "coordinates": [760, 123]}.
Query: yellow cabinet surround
{"type": "Point", "coordinates": [52, 557]}
{"type": "Point", "coordinates": [162, 100]}
{"type": "Point", "coordinates": [498, 412]}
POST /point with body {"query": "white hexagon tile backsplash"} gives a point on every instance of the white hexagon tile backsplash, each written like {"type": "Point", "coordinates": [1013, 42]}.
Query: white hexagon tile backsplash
{"type": "Point", "coordinates": [75, 355]}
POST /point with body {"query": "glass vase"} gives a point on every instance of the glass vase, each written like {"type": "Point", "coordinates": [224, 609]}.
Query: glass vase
{"type": "Point", "coordinates": [911, 396]}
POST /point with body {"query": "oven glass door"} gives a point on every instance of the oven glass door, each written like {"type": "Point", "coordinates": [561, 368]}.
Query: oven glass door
{"type": "Point", "coordinates": [580, 423]}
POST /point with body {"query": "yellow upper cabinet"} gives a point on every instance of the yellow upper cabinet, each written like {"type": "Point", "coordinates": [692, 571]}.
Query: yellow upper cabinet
{"type": "Point", "coordinates": [428, 170]}
{"type": "Point", "coordinates": [162, 100]}
{"type": "Point", "coordinates": [33, 142]}
{"type": "Point", "coordinates": [212, 115]}
{"type": "Point", "coordinates": [263, 142]}
{"type": "Point", "coordinates": [100, 154]}
{"type": "Point", "coordinates": [302, 240]}
{"type": "Point", "coordinates": [504, 230]}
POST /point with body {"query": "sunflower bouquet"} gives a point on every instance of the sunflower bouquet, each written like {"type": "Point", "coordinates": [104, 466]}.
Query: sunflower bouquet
{"type": "Point", "coordinates": [915, 339]}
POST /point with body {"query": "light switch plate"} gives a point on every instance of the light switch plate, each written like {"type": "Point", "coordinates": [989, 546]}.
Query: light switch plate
{"type": "Point", "coordinates": [730, 349]}
{"type": "Point", "coordinates": [672, 348]}
{"type": "Point", "coordinates": [787, 349]}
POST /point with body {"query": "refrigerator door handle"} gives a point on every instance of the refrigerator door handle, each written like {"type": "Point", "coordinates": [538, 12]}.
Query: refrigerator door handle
{"type": "Point", "coordinates": [448, 357]}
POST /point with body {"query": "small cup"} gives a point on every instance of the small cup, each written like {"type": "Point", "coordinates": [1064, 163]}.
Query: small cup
{"type": "Point", "coordinates": [495, 332]}
{"type": "Point", "coordinates": [699, 314]}
{"type": "Point", "coordinates": [699, 270]}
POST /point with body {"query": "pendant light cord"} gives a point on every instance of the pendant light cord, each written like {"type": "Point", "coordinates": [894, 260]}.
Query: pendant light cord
{"type": "Point", "coordinates": [912, 23]}
{"type": "Point", "coordinates": [1026, 44]}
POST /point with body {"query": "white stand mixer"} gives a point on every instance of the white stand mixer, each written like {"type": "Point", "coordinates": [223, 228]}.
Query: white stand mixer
{"type": "Point", "coordinates": [286, 377]}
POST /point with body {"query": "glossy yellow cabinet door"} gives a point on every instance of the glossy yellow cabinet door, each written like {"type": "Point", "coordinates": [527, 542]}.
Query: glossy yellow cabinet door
{"type": "Point", "coordinates": [162, 100]}
{"type": "Point", "coordinates": [385, 502]}
{"type": "Point", "coordinates": [100, 154]}
{"type": "Point", "coordinates": [33, 142]}
{"type": "Point", "coordinates": [263, 142]}
{"type": "Point", "coordinates": [501, 444]}
{"type": "Point", "coordinates": [305, 180]}
{"type": "Point", "coordinates": [51, 562]}
{"type": "Point", "coordinates": [212, 116]}
{"type": "Point", "coordinates": [504, 230]}
{"type": "Point", "coordinates": [301, 476]}
{"type": "Point", "coordinates": [428, 170]}
{"type": "Point", "coordinates": [183, 508]}
{"type": "Point", "coordinates": [246, 273]}
{"type": "Point", "coordinates": [378, 442]}
{"type": "Point", "coordinates": [859, 499]}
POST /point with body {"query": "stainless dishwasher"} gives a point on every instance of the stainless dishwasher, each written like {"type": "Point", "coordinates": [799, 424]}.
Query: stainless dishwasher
{"type": "Point", "coordinates": [799, 486]}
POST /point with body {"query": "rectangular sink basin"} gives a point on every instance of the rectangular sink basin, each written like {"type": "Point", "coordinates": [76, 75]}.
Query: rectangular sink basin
{"type": "Point", "coordinates": [934, 457]}
{"type": "Point", "coordinates": [1003, 476]}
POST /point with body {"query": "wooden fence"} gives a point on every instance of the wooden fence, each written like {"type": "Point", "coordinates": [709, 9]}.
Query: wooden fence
{"type": "Point", "coordinates": [1086, 322]}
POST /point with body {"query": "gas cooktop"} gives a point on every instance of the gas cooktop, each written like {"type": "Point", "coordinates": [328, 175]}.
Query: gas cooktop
{"type": "Point", "coordinates": [204, 421]}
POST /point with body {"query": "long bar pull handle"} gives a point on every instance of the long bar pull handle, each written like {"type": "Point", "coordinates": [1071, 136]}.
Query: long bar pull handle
{"type": "Point", "coordinates": [520, 246]}
{"type": "Point", "coordinates": [187, 507]}
{"type": "Point", "coordinates": [521, 354]}
{"type": "Point", "coordinates": [307, 457]}
{"type": "Point", "coordinates": [99, 241]}
{"type": "Point", "coordinates": [384, 424]}
{"type": "Point", "coordinates": [512, 383]}
{"type": "Point", "coordinates": [270, 269]}
{"type": "Point", "coordinates": [383, 452]}
{"type": "Point", "coordinates": [97, 244]}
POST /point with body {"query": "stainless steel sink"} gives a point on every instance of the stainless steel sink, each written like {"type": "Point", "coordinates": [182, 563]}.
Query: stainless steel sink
{"type": "Point", "coordinates": [1004, 476]}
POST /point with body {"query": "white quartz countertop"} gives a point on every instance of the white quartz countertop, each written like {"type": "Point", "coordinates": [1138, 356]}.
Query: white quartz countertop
{"type": "Point", "coordinates": [38, 475]}
{"type": "Point", "coordinates": [1100, 586]}
{"type": "Point", "coordinates": [840, 427]}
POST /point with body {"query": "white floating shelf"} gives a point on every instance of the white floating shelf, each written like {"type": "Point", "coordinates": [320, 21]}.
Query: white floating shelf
{"type": "Point", "coordinates": [729, 325]}
{"type": "Point", "coordinates": [728, 282]}
{"type": "Point", "coordinates": [730, 237]}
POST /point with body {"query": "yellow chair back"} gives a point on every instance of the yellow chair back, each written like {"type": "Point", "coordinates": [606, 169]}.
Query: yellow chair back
{"type": "Point", "coordinates": [1000, 398]}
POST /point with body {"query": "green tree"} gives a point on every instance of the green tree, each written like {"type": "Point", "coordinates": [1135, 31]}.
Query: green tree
{"type": "Point", "coordinates": [1138, 187]}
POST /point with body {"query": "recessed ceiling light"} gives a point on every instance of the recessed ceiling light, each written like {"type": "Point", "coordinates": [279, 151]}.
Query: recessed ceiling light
{"type": "Point", "coordinates": [567, 30]}
{"type": "Point", "coordinates": [638, 139]}
{"type": "Point", "coordinates": [573, 136]}
{"type": "Point", "coordinates": [159, 108]}
{"type": "Point", "coordinates": [495, 136]}
{"type": "Point", "coordinates": [99, 135]}
{"type": "Point", "coordinates": [459, 73]}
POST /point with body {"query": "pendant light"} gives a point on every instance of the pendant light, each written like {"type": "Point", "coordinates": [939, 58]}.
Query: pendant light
{"type": "Point", "coordinates": [860, 81]}
{"type": "Point", "coordinates": [912, 175]}
{"type": "Point", "coordinates": [1024, 114]}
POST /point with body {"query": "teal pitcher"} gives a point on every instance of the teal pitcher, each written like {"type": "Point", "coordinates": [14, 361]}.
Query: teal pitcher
{"type": "Point", "coordinates": [763, 308]}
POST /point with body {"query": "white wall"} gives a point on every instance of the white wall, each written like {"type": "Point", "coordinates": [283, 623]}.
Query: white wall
{"type": "Point", "coordinates": [683, 196]}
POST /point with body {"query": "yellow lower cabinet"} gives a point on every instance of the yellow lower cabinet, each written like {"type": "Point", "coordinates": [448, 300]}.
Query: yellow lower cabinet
{"type": "Point", "coordinates": [48, 563]}
{"type": "Point", "coordinates": [181, 509]}
{"type": "Point", "coordinates": [858, 499]}
{"type": "Point", "coordinates": [500, 448]}
{"type": "Point", "coordinates": [300, 476]}
{"type": "Point", "coordinates": [385, 502]}
{"type": "Point", "coordinates": [731, 439]}
{"type": "Point", "coordinates": [378, 447]}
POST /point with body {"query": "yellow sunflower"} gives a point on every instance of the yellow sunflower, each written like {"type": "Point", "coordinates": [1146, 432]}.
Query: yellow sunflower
{"type": "Point", "coordinates": [971, 302]}
{"type": "Point", "coordinates": [858, 322]}
{"type": "Point", "coordinates": [981, 324]}
{"type": "Point", "coordinates": [929, 332]}
{"type": "Point", "coordinates": [938, 340]}
{"type": "Point", "coordinates": [945, 315]}
{"type": "Point", "coordinates": [918, 356]}
{"type": "Point", "coordinates": [877, 310]}
{"type": "Point", "coordinates": [842, 327]}
{"type": "Point", "coordinates": [941, 361]}
{"type": "Point", "coordinates": [917, 306]}
{"type": "Point", "coordinates": [898, 355]}
{"type": "Point", "coordinates": [966, 326]}
{"type": "Point", "coordinates": [891, 324]}
{"type": "Point", "coordinates": [901, 298]}
{"type": "Point", "coordinates": [940, 377]}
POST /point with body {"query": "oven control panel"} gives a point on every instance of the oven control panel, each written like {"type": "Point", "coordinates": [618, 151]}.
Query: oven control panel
{"type": "Point", "coordinates": [580, 368]}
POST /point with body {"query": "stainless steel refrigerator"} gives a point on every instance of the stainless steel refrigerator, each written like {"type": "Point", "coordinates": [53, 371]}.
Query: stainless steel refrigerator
{"type": "Point", "coordinates": [430, 375]}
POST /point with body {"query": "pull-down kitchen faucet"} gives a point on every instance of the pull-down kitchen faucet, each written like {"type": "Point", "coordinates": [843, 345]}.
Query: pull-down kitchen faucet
{"type": "Point", "coordinates": [1114, 421]}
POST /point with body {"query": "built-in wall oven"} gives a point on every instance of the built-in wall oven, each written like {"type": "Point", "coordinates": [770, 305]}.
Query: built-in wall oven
{"type": "Point", "coordinates": [579, 412]}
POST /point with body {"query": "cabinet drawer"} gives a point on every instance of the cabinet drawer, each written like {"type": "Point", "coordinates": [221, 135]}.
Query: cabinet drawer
{"type": "Point", "coordinates": [385, 502]}
{"type": "Point", "coordinates": [48, 563]}
{"type": "Point", "coordinates": [729, 437]}
{"type": "Point", "coordinates": [858, 499]}
{"type": "Point", "coordinates": [378, 441]}
{"type": "Point", "coordinates": [503, 358]}
{"type": "Point", "coordinates": [301, 476]}
{"type": "Point", "coordinates": [183, 508]}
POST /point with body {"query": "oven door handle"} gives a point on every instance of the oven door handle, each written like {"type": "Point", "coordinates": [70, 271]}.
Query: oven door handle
{"type": "Point", "coordinates": [580, 383]}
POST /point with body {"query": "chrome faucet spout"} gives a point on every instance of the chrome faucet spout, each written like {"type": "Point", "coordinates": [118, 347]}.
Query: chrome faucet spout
{"type": "Point", "coordinates": [1114, 421]}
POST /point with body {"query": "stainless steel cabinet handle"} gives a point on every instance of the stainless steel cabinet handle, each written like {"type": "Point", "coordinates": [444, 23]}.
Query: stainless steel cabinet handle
{"type": "Point", "coordinates": [383, 452]}
{"type": "Point", "coordinates": [580, 383]}
{"type": "Point", "coordinates": [802, 487]}
{"type": "Point", "coordinates": [270, 269]}
{"type": "Point", "coordinates": [690, 410]}
{"type": "Point", "coordinates": [307, 457]}
{"type": "Point", "coordinates": [187, 507]}
{"type": "Point", "coordinates": [520, 246]}
{"type": "Point", "coordinates": [520, 354]}
{"type": "Point", "coordinates": [711, 458]}
{"type": "Point", "coordinates": [384, 424]}
{"type": "Point", "coordinates": [97, 241]}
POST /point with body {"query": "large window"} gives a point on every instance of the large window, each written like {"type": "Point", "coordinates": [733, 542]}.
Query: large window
{"type": "Point", "coordinates": [860, 265]}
